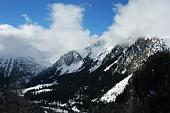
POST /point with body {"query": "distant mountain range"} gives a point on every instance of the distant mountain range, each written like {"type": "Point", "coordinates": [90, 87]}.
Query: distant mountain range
{"type": "Point", "coordinates": [17, 71]}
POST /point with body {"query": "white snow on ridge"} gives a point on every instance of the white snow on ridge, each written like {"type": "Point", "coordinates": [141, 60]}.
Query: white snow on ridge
{"type": "Point", "coordinates": [100, 60]}
{"type": "Point", "coordinates": [8, 64]}
{"type": "Point", "coordinates": [111, 95]}
{"type": "Point", "coordinates": [56, 110]}
{"type": "Point", "coordinates": [43, 90]}
{"type": "Point", "coordinates": [74, 108]}
{"type": "Point", "coordinates": [10, 67]}
{"type": "Point", "coordinates": [95, 51]}
{"type": "Point", "coordinates": [40, 86]}
{"type": "Point", "coordinates": [107, 68]}
{"type": "Point", "coordinates": [70, 69]}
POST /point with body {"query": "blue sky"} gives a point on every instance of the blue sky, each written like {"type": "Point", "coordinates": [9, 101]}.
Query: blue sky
{"type": "Point", "coordinates": [98, 14]}
{"type": "Point", "coordinates": [60, 27]}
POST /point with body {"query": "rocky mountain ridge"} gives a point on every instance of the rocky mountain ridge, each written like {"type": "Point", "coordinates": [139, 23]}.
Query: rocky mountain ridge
{"type": "Point", "coordinates": [18, 71]}
{"type": "Point", "coordinates": [81, 89]}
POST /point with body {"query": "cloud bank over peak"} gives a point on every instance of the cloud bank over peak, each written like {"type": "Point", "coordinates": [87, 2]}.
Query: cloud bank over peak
{"type": "Point", "coordinates": [140, 18]}
{"type": "Point", "coordinates": [64, 34]}
{"type": "Point", "coordinates": [149, 18]}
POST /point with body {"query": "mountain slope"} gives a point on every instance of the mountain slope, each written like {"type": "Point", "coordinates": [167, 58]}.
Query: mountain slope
{"type": "Point", "coordinates": [18, 70]}
{"type": "Point", "coordinates": [148, 90]}
{"type": "Point", "coordinates": [85, 60]}
{"type": "Point", "coordinates": [83, 88]}
{"type": "Point", "coordinates": [133, 58]}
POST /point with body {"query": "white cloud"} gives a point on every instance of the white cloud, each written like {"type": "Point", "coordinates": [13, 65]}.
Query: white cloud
{"type": "Point", "coordinates": [64, 34]}
{"type": "Point", "coordinates": [137, 18]}
{"type": "Point", "coordinates": [149, 18]}
{"type": "Point", "coordinates": [1, 47]}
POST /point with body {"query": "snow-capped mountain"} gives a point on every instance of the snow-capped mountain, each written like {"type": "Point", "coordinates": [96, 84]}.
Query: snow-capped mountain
{"type": "Point", "coordinates": [86, 85]}
{"type": "Point", "coordinates": [84, 60]}
{"type": "Point", "coordinates": [68, 63]}
{"type": "Point", "coordinates": [130, 60]}
{"type": "Point", "coordinates": [74, 61]}
{"type": "Point", "coordinates": [96, 53]}
{"type": "Point", "coordinates": [18, 70]}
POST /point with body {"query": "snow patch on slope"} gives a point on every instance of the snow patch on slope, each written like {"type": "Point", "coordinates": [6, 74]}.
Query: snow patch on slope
{"type": "Point", "coordinates": [37, 87]}
{"type": "Point", "coordinates": [111, 95]}
{"type": "Point", "coordinates": [70, 69]}
{"type": "Point", "coordinates": [74, 108]}
{"type": "Point", "coordinates": [43, 90]}
{"type": "Point", "coordinates": [107, 68]}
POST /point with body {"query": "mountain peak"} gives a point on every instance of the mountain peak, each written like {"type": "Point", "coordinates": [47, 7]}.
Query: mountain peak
{"type": "Point", "coordinates": [69, 58]}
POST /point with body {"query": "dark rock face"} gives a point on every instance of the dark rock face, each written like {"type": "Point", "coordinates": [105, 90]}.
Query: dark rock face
{"type": "Point", "coordinates": [148, 90]}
